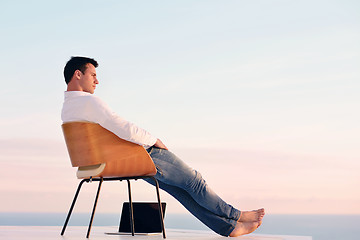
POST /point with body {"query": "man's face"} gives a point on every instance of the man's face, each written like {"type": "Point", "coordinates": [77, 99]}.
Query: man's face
{"type": "Point", "coordinates": [88, 80]}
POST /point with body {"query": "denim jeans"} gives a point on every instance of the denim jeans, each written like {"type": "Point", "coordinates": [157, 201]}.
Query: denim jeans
{"type": "Point", "coordinates": [191, 190]}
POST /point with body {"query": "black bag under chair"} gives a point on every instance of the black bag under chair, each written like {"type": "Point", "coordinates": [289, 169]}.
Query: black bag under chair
{"type": "Point", "coordinates": [145, 216]}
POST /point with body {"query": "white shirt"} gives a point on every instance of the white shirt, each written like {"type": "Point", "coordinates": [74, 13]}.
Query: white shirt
{"type": "Point", "coordinates": [83, 106]}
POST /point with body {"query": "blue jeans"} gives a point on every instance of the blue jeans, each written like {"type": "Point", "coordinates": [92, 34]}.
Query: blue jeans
{"type": "Point", "coordinates": [191, 190]}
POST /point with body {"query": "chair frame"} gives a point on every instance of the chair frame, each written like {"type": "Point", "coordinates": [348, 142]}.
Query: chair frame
{"type": "Point", "coordinates": [101, 180]}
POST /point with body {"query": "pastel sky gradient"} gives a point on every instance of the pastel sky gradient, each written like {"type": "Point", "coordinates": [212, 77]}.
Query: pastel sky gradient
{"type": "Point", "coordinates": [261, 96]}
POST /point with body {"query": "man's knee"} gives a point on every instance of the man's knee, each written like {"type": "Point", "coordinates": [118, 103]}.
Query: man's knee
{"type": "Point", "coordinates": [197, 183]}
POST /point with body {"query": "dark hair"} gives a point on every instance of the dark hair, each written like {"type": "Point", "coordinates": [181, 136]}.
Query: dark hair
{"type": "Point", "coordinates": [77, 63]}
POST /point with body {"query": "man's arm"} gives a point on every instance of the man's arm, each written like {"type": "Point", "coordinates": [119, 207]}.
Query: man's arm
{"type": "Point", "coordinates": [119, 126]}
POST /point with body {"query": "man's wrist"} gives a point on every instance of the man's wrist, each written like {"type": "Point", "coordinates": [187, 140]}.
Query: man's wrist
{"type": "Point", "coordinates": [159, 144]}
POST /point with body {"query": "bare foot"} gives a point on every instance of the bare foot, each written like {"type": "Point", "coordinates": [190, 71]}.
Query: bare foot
{"type": "Point", "coordinates": [252, 216]}
{"type": "Point", "coordinates": [243, 228]}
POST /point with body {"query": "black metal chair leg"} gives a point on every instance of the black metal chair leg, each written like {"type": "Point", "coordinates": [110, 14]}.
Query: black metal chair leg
{"type": "Point", "coordinates": [131, 209]}
{"type": "Point", "coordinates": [94, 208]}
{"type": "Point", "coordinates": [160, 207]}
{"type": "Point", "coordinates": [120, 218]}
{"type": "Point", "coordinates": [72, 206]}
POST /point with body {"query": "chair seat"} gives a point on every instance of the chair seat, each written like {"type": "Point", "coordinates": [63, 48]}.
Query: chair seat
{"type": "Point", "coordinates": [89, 171]}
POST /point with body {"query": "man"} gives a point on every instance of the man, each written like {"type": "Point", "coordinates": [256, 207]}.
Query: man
{"type": "Point", "coordinates": [174, 176]}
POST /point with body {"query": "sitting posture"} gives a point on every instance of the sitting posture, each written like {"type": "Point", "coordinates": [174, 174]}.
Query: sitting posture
{"type": "Point", "coordinates": [173, 175]}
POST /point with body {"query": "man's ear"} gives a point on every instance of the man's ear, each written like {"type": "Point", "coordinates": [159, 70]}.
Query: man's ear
{"type": "Point", "coordinates": [77, 74]}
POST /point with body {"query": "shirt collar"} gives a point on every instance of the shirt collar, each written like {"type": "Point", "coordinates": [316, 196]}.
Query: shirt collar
{"type": "Point", "coordinates": [70, 94]}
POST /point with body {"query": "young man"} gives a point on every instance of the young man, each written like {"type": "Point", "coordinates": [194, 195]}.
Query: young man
{"type": "Point", "coordinates": [174, 176]}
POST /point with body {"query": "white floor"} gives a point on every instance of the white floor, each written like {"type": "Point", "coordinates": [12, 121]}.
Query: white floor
{"type": "Point", "coordinates": [76, 233]}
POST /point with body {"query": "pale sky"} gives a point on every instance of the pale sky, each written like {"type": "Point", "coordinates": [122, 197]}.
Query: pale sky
{"type": "Point", "coordinates": [260, 96]}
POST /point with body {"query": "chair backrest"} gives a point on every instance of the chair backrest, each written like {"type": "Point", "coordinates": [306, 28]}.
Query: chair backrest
{"type": "Point", "coordinates": [90, 144]}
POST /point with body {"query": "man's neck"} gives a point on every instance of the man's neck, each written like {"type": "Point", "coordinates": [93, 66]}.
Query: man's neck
{"type": "Point", "coordinates": [73, 88]}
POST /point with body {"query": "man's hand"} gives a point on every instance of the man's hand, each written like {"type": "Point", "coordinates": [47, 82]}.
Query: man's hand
{"type": "Point", "coordinates": [159, 144]}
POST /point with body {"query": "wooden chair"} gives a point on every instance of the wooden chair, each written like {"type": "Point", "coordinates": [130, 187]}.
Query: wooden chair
{"type": "Point", "coordinates": [102, 156]}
